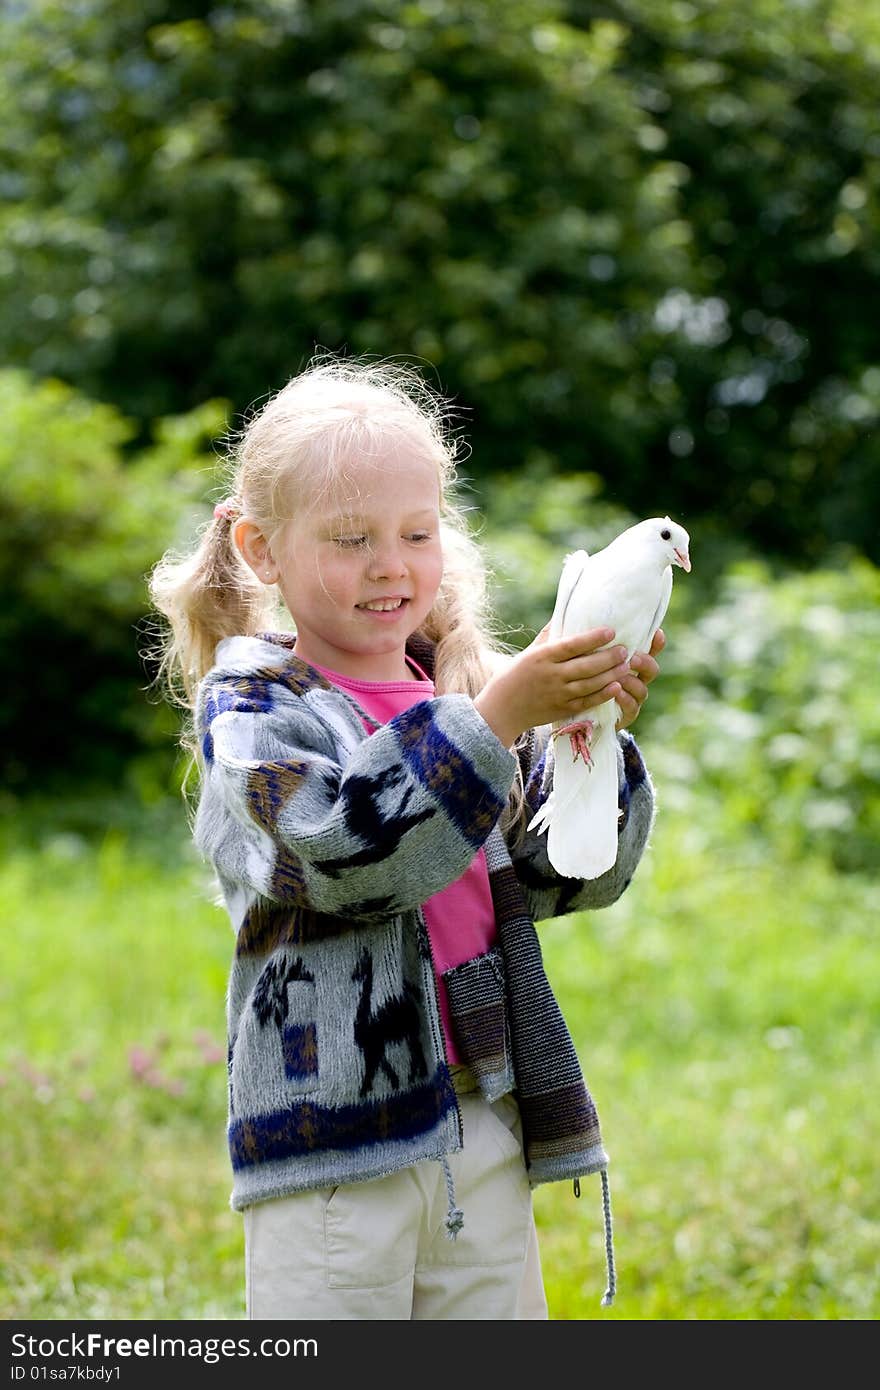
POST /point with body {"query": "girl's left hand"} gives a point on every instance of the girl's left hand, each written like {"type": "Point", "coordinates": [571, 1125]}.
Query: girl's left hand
{"type": "Point", "coordinates": [645, 669]}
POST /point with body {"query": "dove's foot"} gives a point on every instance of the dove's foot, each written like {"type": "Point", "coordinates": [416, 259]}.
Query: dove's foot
{"type": "Point", "coordinates": [579, 733]}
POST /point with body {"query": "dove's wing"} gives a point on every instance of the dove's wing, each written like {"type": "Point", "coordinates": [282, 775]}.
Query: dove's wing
{"type": "Point", "coordinates": [665, 595]}
{"type": "Point", "coordinates": [569, 579]}
{"type": "Point", "coordinates": [591, 596]}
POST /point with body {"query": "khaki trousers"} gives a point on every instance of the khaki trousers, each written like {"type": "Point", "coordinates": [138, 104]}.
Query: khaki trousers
{"type": "Point", "coordinates": [379, 1250]}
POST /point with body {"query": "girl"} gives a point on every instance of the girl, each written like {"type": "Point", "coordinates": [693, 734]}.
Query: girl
{"type": "Point", "coordinates": [400, 1074]}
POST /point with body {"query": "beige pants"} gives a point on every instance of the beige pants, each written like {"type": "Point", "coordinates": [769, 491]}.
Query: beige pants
{"type": "Point", "coordinates": [379, 1249]}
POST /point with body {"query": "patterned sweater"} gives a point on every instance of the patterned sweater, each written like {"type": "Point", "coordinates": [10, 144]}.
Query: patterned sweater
{"type": "Point", "coordinates": [326, 841]}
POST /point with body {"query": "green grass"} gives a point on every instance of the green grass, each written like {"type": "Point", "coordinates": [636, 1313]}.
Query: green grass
{"type": "Point", "coordinates": [727, 1025]}
{"type": "Point", "coordinates": [724, 1010]}
{"type": "Point", "coordinates": [113, 1088]}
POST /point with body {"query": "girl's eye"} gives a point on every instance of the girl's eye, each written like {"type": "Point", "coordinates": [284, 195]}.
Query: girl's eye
{"type": "Point", "coordinates": [419, 537]}
{"type": "Point", "coordinates": [349, 541]}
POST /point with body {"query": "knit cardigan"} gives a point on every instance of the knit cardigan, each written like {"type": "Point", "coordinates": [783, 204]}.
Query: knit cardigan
{"type": "Point", "coordinates": [326, 841]}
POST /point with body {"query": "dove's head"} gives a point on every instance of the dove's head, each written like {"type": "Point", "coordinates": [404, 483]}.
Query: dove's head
{"type": "Point", "coordinates": [672, 541]}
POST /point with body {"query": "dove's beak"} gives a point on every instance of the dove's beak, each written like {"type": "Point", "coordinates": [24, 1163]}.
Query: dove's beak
{"type": "Point", "coordinates": [684, 560]}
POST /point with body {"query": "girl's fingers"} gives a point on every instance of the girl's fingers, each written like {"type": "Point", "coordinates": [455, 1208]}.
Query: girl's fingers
{"type": "Point", "coordinates": [635, 688]}
{"type": "Point", "coordinates": [629, 712]}
{"type": "Point", "coordinates": [599, 666]}
{"type": "Point", "coordinates": [584, 671]}
{"type": "Point", "coordinates": [582, 644]}
{"type": "Point", "coordinates": [645, 667]}
{"type": "Point", "coordinates": [629, 708]}
{"type": "Point", "coordinates": [573, 705]}
{"type": "Point", "coordinates": [596, 683]}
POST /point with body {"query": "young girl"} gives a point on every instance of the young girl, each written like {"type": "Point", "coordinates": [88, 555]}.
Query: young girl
{"type": "Point", "coordinates": [400, 1075]}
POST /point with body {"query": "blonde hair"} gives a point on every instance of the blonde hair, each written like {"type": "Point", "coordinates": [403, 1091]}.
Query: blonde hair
{"type": "Point", "coordinates": [294, 451]}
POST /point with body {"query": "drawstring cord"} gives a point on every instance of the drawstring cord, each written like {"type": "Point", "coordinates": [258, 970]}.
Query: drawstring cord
{"type": "Point", "coordinates": [611, 1290]}
{"type": "Point", "coordinates": [454, 1214]}
{"type": "Point", "coordinates": [608, 1296]}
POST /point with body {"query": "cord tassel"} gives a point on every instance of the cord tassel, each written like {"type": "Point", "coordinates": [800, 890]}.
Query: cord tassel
{"type": "Point", "coordinates": [454, 1214]}
{"type": "Point", "coordinates": [608, 1296]}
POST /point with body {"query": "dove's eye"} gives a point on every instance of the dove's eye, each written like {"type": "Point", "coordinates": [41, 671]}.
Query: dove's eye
{"type": "Point", "coordinates": [666, 535]}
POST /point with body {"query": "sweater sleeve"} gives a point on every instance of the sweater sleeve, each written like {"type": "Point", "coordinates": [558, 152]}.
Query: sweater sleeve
{"type": "Point", "coordinates": [549, 894]}
{"type": "Point", "coordinates": [301, 807]}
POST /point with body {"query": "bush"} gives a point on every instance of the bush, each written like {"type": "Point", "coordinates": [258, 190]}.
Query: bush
{"type": "Point", "coordinates": [80, 527]}
{"type": "Point", "coordinates": [768, 699]}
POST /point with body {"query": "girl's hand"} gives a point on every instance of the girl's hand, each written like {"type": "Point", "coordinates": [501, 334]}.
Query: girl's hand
{"type": "Point", "coordinates": [554, 681]}
{"type": "Point", "coordinates": [644, 669]}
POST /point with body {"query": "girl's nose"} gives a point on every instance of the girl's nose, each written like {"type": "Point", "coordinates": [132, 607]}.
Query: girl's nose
{"type": "Point", "coordinates": [387, 562]}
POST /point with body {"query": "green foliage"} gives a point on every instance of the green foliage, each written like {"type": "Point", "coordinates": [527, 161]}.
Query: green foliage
{"type": "Point", "coordinates": [392, 178]}
{"type": "Point", "coordinates": [767, 705]}
{"type": "Point", "coordinates": [766, 113]}
{"type": "Point", "coordinates": [641, 237]}
{"type": "Point", "coordinates": [81, 525]}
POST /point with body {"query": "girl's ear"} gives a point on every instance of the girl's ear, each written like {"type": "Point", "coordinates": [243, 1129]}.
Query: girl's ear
{"type": "Point", "coordinates": [254, 549]}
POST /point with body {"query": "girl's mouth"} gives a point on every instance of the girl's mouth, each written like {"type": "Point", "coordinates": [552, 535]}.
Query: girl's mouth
{"type": "Point", "coordinates": [383, 606]}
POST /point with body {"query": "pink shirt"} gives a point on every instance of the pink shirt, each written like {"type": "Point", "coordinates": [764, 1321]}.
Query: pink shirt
{"type": "Point", "coordinates": [460, 918]}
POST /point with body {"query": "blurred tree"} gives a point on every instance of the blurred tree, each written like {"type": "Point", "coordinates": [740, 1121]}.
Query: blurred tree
{"type": "Point", "coordinates": [769, 114]}
{"type": "Point", "coordinates": [640, 237]}
{"type": "Point", "coordinates": [198, 196]}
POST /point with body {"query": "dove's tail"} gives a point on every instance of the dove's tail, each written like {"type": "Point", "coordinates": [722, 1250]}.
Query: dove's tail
{"type": "Point", "coordinates": [542, 818]}
{"type": "Point", "coordinates": [581, 815]}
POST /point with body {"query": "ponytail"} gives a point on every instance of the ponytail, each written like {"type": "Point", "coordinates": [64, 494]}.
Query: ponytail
{"type": "Point", "coordinates": [206, 596]}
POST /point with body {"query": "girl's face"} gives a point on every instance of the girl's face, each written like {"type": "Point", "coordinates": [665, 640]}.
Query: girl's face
{"type": "Point", "coordinates": [360, 573]}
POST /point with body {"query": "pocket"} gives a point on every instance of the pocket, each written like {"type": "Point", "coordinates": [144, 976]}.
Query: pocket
{"type": "Point", "coordinates": [371, 1232]}
{"type": "Point", "coordinates": [508, 1129]}
{"type": "Point", "coordinates": [478, 1003]}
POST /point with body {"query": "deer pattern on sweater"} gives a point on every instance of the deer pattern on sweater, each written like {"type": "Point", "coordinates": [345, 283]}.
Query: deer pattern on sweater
{"type": "Point", "coordinates": [271, 1000]}
{"type": "Point", "coordinates": [396, 1020]}
{"type": "Point", "coordinates": [363, 800]}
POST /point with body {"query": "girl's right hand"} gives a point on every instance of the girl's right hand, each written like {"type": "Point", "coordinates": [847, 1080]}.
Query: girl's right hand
{"type": "Point", "coordinates": [552, 682]}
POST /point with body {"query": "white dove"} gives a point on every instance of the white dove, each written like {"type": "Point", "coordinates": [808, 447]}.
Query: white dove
{"type": "Point", "coordinates": [626, 587]}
